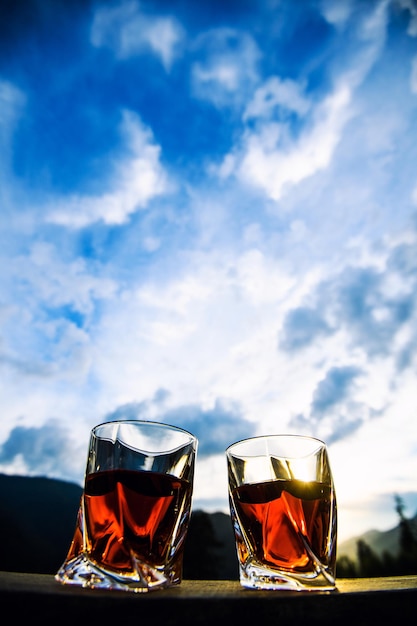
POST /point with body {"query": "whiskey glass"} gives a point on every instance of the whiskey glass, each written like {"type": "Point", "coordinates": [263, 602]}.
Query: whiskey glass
{"type": "Point", "coordinates": [135, 508]}
{"type": "Point", "coordinates": [284, 514]}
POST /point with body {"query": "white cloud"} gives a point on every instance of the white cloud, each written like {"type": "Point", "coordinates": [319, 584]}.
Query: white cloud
{"type": "Point", "coordinates": [270, 164]}
{"type": "Point", "coordinates": [54, 281]}
{"type": "Point", "coordinates": [227, 70]}
{"type": "Point", "coordinates": [276, 93]}
{"type": "Point", "coordinates": [164, 36]}
{"type": "Point", "coordinates": [137, 179]}
{"type": "Point", "coordinates": [278, 151]}
{"type": "Point", "coordinates": [196, 331]}
{"type": "Point", "coordinates": [129, 32]}
{"type": "Point", "coordinates": [336, 12]}
{"type": "Point", "coordinates": [210, 484]}
{"type": "Point", "coordinates": [45, 328]}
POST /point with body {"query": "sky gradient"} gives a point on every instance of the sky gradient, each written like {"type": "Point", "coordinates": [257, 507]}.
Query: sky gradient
{"type": "Point", "coordinates": [208, 217]}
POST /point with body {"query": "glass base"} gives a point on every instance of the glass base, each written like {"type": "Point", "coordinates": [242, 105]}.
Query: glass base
{"type": "Point", "coordinates": [82, 572]}
{"type": "Point", "coordinates": [255, 576]}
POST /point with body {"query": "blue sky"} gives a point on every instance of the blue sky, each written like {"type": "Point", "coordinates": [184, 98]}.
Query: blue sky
{"type": "Point", "coordinates": [209, 217]}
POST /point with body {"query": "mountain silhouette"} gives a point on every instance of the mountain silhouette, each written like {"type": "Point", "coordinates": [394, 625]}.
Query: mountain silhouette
{"type": "Point", "coordinates": [37, 515]}
{"type": "Point", "coordinates": [378, 541]}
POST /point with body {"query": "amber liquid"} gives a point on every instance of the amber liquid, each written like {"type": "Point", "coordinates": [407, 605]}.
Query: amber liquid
{"type": "Point", "coordinates": [285, 523]}
{"type": "Point", "coordinates": [133, 515]}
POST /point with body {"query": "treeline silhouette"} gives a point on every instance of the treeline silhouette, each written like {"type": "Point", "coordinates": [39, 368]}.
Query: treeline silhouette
{"type": "Point", "coordinates": [210, 552]}
{"type": "Point", "coordinates": [369, 564]}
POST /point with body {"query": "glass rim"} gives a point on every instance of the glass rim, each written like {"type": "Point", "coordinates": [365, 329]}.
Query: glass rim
{"type": "Point", "coordinates": [151, 423]}
{"type": "Point", "coordinates": [276, 436]}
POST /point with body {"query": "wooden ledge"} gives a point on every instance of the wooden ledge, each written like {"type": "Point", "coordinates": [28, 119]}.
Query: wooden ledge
{"type": "Point", "coordinates": [361, 600]}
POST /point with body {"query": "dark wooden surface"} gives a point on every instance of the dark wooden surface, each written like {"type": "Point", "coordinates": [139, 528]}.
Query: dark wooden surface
{"type": "Point", "coordinates": [358, 601]}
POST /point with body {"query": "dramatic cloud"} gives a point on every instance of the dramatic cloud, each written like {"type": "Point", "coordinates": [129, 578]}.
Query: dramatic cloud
{"type": "Point", "coordinates": [42, 451]}
{"type": "Point", "coordinates": [375, 304]}
{"type": "Point", "coordinates": [333, 389]}
{"type": "Point", "coordinates": [215, 428]}
{"type": "Point", "coordinates": [302, 326]}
